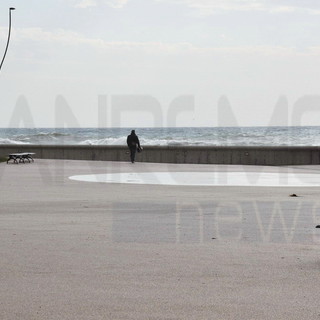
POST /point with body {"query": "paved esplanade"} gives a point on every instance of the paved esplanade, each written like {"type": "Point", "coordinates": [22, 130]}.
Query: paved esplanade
{"type": "Point", "coordinates": [72, 249]}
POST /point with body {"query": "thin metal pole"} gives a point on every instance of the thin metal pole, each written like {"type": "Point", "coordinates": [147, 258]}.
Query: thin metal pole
{"type": "Point", "coordinates": [10, 9]}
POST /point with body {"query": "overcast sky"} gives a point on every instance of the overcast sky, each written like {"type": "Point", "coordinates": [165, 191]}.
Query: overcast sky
{"type": "Point", "coordinates": [238, 54]}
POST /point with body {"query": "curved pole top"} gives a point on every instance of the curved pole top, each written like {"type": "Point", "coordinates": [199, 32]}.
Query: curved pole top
{"type": "Point", "coordinates": [5, 52]}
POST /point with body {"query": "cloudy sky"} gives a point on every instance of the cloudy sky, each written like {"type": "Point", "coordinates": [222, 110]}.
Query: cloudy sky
{"type": "Point", "coordinates": [161, 62]}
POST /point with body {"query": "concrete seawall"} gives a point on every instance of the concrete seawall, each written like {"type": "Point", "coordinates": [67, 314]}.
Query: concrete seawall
{"type": "Point", "coordinates": [176, 154]}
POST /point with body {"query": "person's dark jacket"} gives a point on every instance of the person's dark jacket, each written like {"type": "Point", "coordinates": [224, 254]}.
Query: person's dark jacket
{"type": "Point", "coordinates": [133, 141]}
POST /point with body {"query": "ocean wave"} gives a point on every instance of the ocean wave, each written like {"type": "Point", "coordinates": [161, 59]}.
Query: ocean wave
{"type": "Point", "coordinates": [121, 141]}
{"type": "Point", "coordinates": [105, 141]}
{"type": "Point", "coordinates": [43, 138]}
{"type": "Point", "coordinates": [10, 141]}
{"type": "Point", "coordinates": [50, 134]}
{"type": "Point", "coordinates": [46, 135]}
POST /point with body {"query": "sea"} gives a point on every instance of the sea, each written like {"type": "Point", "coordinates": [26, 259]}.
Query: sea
{"type": "Point", "coordinates": [198, 136]}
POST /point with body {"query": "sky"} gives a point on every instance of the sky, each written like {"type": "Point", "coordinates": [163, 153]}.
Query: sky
{"type": "Point", "coordinates": [146, 63]}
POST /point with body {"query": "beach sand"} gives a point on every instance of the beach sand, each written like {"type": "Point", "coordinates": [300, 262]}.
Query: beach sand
{"type": "Point", "coordinates": [83, 250]}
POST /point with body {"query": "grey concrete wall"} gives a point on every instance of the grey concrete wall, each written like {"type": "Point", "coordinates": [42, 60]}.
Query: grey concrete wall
{"type": "Point", "coordinates": [176, 154]}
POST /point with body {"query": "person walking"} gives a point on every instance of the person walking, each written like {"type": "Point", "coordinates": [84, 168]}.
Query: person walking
{"type": "Point", "coordinates": [133, 144]}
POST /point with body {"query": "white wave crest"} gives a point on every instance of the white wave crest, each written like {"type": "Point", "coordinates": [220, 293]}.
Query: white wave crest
{"type": "Point", "coordinates": [122, 141]}
{"type": "Point", "coordinates": [9, 141]}
{"type": "Point", "coordinates": [105, 141]}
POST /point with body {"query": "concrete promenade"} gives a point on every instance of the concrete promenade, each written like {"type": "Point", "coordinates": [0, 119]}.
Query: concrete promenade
{"type": "Point", "coordinates": [81, 250]}
{"type": "Point", "coordinates": [246, 155]}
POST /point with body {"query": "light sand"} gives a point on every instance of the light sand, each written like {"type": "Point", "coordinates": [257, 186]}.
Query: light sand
{"type": "Point", "coordinates": [81, 250]}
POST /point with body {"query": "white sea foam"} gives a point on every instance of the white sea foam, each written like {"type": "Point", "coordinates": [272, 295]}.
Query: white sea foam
{"type": "Point", "coordinates": [144, 142]}
{"type": "Point", "coordinates": [10, 141]}
{"type": "Point", "coordinates": [105, 141]}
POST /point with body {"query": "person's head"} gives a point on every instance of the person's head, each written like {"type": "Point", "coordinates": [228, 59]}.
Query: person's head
{"type": "Point", "coordinates": [133, 132]}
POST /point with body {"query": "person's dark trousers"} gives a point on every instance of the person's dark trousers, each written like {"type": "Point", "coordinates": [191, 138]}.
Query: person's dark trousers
{"type": "Point", "coordinates": [133, 154]}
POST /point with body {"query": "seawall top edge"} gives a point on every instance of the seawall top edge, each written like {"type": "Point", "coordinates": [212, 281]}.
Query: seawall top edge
{"type": "Point", "coordinates": [180, 147]}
